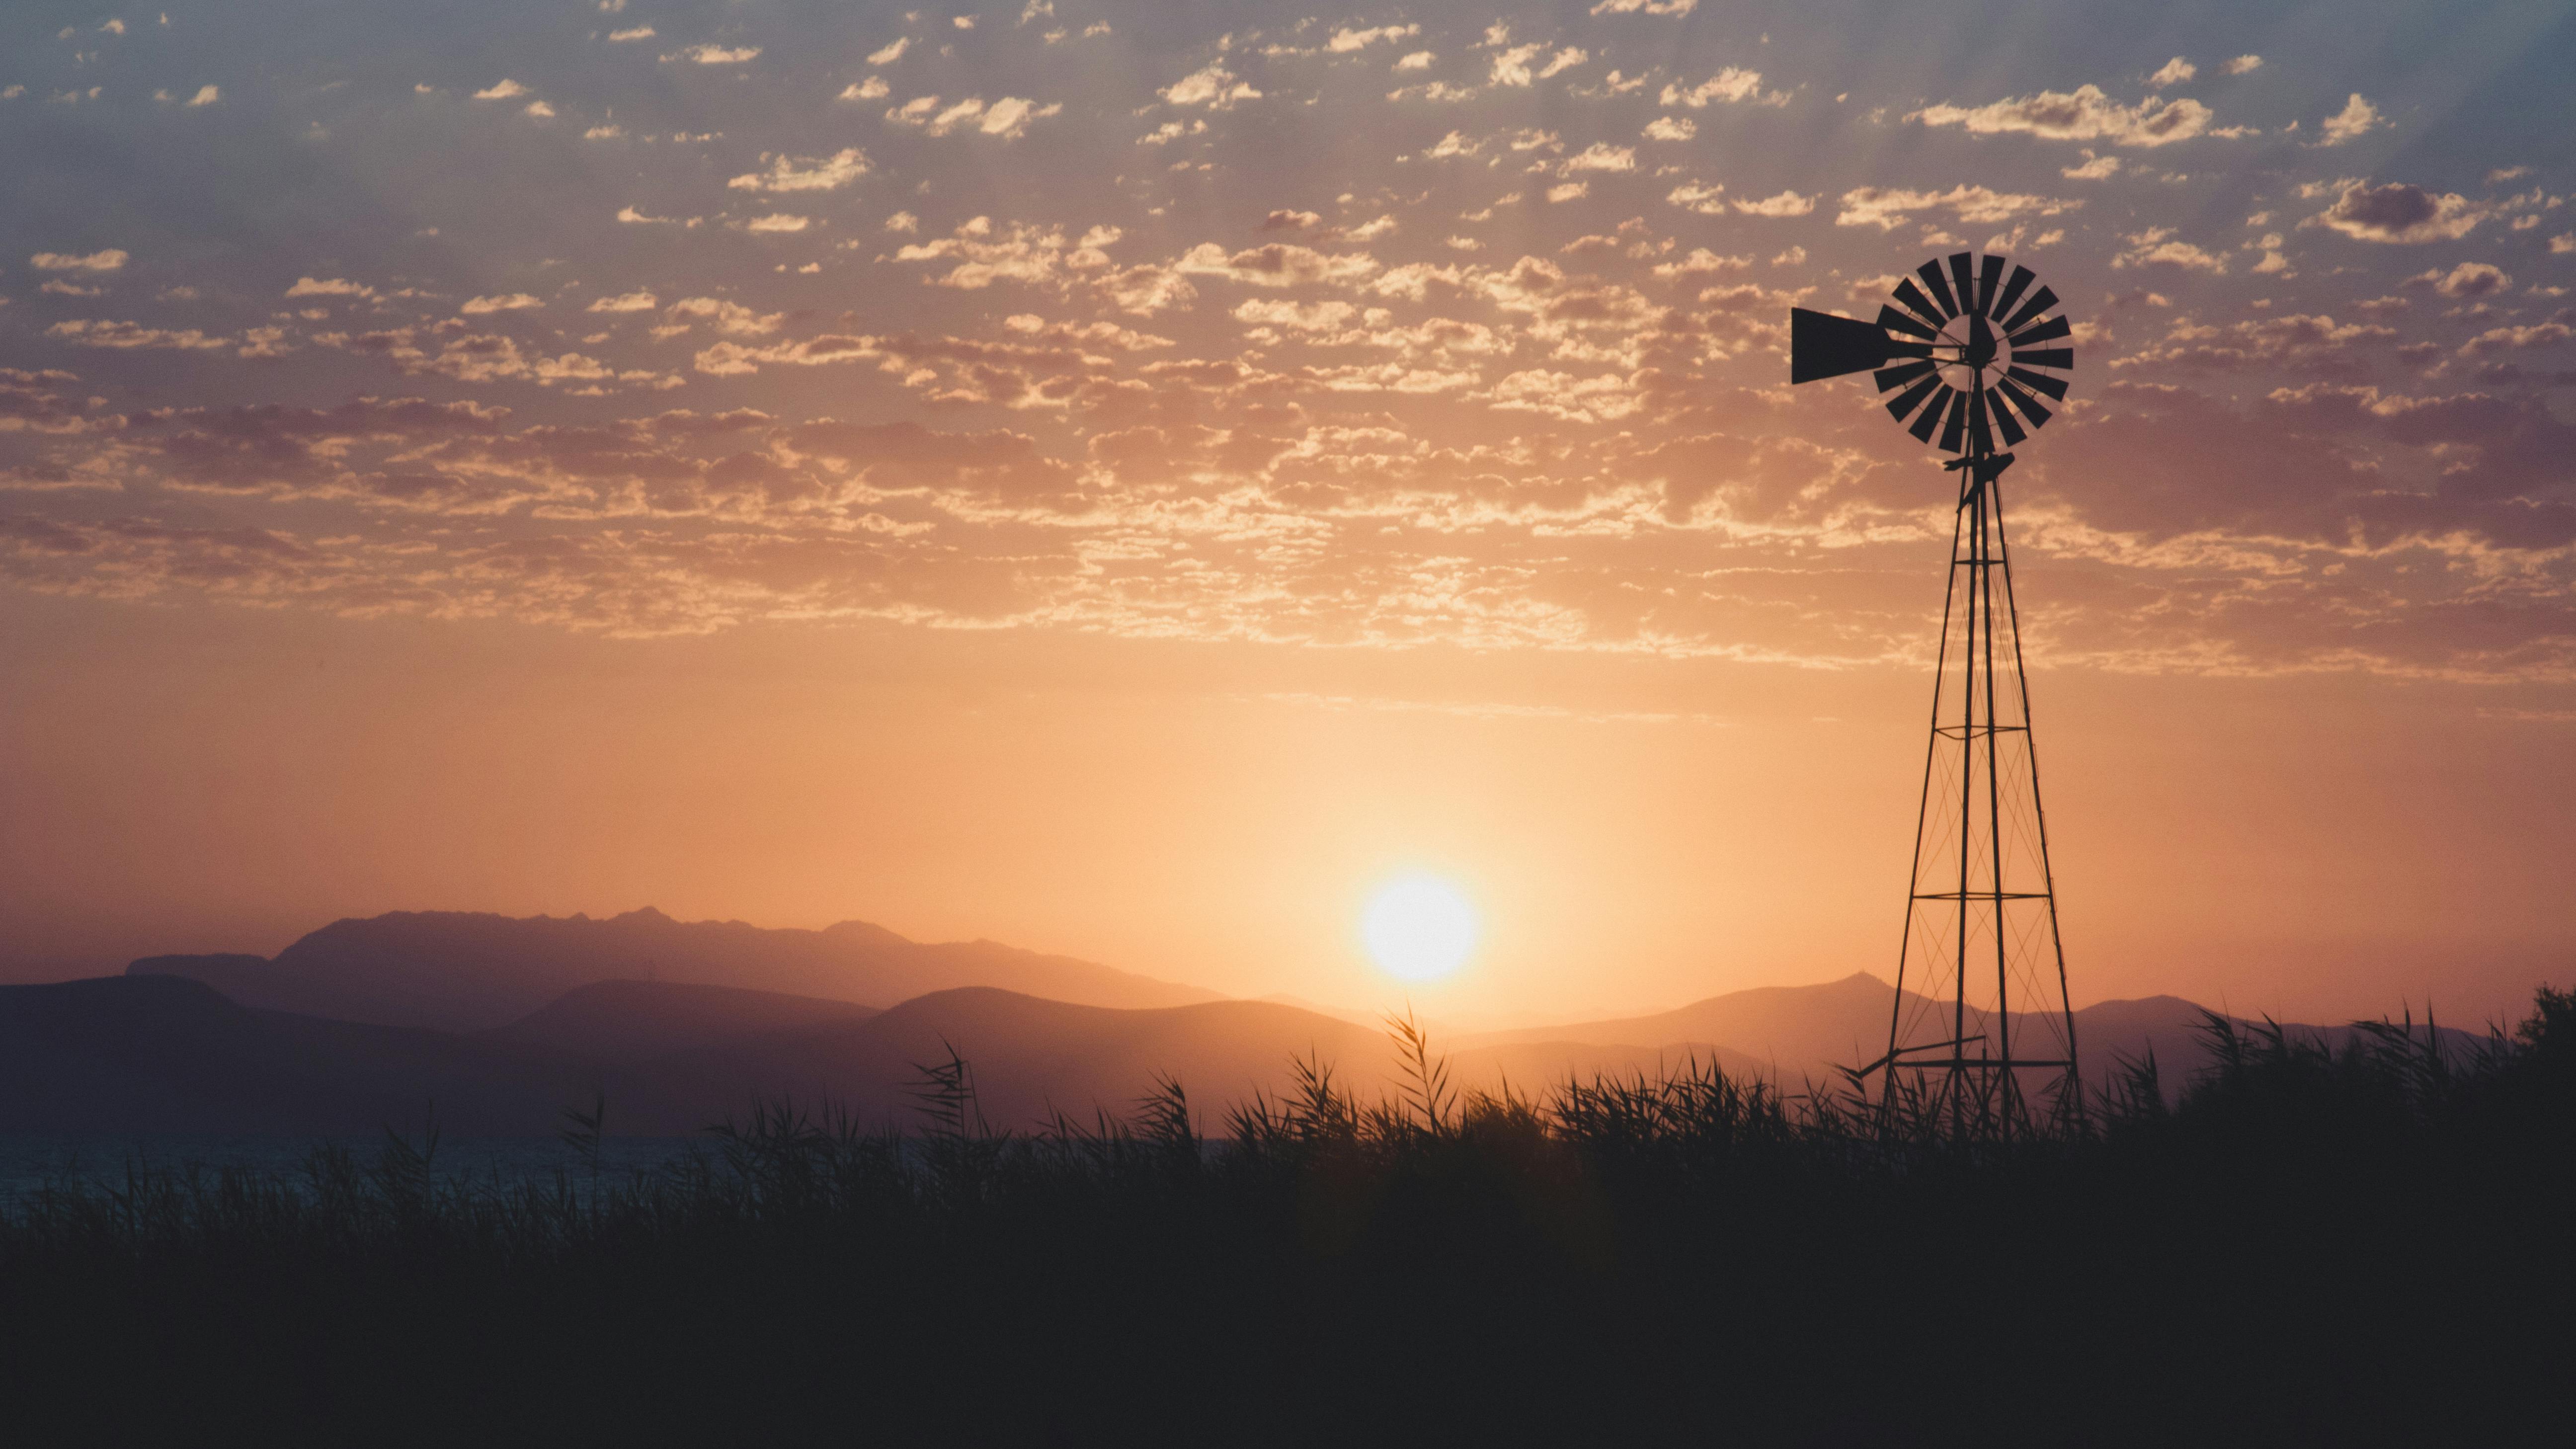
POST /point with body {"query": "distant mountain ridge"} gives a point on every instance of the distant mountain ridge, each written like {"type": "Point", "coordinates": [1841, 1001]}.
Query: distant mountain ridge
{"type": "Point", "coordinates": [153, 1052]}
{"type": "Point", "coordinates": [473, 971]}
{"type": "Point", "coordinates": [1810, 1032]}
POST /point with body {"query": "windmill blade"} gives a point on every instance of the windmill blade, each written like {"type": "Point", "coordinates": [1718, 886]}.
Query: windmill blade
{"type": "Point", "coordinates": [2030, 406]}
{"type": "Point", "coordinates": [1912, 296]}
{"type": "Point", "coordinates": [1900, 374]}
{"type": "Point", "coordinates": [1963, 279]}
{"type": "Point", "coordinates": [2061, 358]}
{"type": "Point", "coordinates": [1988, 274]}
{"type": "Point", "coordinates": [1822, 345]}
{"type": "Point", "coordinates": [2021, 280]}
{"type": "Point", "coordinates": [1895, 321]}
{"type": "Point", "coordinates": [2003, 417]}
{"type": "Point", "coordinates": [2053, 386]}
{"type": "Point", "coordinates": [1923, 426]}
{"type": "Point", "coordinates": [2048, 331]}
{"type": "Point", "coordinates": [2040, 301]}
{"type": "Point", "coordinates": [1930, 272]}
{"type": "Point", "coordinates": [1951, 432]}
{"type": "Point", "coordinates": [1904, 403]}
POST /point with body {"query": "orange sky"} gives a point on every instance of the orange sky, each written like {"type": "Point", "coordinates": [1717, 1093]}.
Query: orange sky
{"type": "Point", "coordinates": [1636, 835]}
{"type": "Point", "coordinates": [1122, 485]}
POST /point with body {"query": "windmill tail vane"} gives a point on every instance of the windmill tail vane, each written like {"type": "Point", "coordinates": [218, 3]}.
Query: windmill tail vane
{"type": "Point", "coordinates": [1982, 1036]}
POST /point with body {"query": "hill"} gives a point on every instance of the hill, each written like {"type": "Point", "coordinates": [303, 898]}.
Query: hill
{"type": "Point", "coordinates": [155, 1054]}
{"type": "Point", "coordinates": [469, 971]}
{"type": "Point", "coordinates": [1805, 1033]}
{"type": "Point", "coordinates": [628, 1020]}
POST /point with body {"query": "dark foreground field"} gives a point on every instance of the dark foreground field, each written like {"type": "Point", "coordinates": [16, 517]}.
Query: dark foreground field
{"type": "Point", "coordinates": [2314, 1247]}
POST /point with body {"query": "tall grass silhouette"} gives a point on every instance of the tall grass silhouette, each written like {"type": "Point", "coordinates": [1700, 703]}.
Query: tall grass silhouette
{"type": "Point", "coordinates": [2306, 1240]}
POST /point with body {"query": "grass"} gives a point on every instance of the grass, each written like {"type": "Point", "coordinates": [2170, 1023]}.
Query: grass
{"type": "Point", "coordinates": [2303, 1243]}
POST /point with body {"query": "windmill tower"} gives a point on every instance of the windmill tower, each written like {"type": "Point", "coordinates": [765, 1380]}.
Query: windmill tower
{"type": "Point", "coordinates": [1982, 1033]}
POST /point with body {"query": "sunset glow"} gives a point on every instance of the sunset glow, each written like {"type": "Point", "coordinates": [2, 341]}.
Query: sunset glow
{"type": "Point", "coordinates": [1419, 928]}
{"type": "Point", "coordinates": [796, 463]}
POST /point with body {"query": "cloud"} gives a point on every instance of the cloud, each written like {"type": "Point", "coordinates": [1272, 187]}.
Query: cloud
{"type": "Point", "coordinates": [624, 302]}
{"type": "Point", "coordinates": [2400, 213]}
{"type": "Point", "coordinates": [2468, 279]}
{"type": "Point", "coordinates": [2083, 114]}
{"type": "Point", "coordinates": [777, 222]}
{"type": "Point", "coordinates": [206, 95]}
{"type": "Point", "coordinates": [540, 110]}
{"type": "Point", "coordinates": [1706, 200]}
{"type": "Point", "coordinates": [1212, 86]}
{"type": "Point", "coordinates": [1346, 39]}
{"type": "Point", "coordinates": [731, 318]}
{"type": "Point", "coordinates": [824, 173]}
{"type": "Point", "coordinates": [1295, 316]}
{"type": "Point", "coordinates": [984, 254]}
{"type": "Point", "coordinates": [1416, 60]}
{"type": "Point", "coordinates": [631, 217]}
{"type": "Point", "coordinates": [1511, 67]}
{"type": "Point", "coordinates": [508, 302]}
{"type": "Point", "coordinates": [1645, 7]}
{"type": "Point", "coordinates": [716, 54]}
{"type": "Point", "coordinates": [1671, 128]}
{"type": "Point", "coordinates": [1280, 264]}
{"type": "Point", "coordinates": [873, 88]}
{"type": "Point", "coordinates": [2173, 73]}
{"type": "Point", "coordinates": [1007, 118]}
{"type": "Point", "coordinates": [109, 260]}
{"type": "Point", "coordinates": [1787, 203]}
{"type": "Point", "coordinates": [1886, 208]}
{"type": "Point", "coordinates": [129, 335]}
{"type": "Point", "coordinates": [1570, 191]}
{"type": "Point", "coordinates": [2095, 168]}
{"type": "Point", "coordinates": [1599, 156]}
{"type": "Point", "coordinates": [2505, 339]}
{"type": "Point", "coordinates": [1733, 85]}
{"type": "Point", "coordinates": [2156, 247]}
{"type": "Point", "coordinates": [2356, 118]}
{"type": "Point", "coordinates": [2243, 65]}
{"type": "Point", "coordinates": [504, 90]}
{"type": "Point", "coordinates": [2315, 344]}
{"type": "Point", "coordinates": [1700, 263]}
{"type": "Point", "coordinates": [329, 287]}
{"type": "Point", "coordinates": [639, 32]}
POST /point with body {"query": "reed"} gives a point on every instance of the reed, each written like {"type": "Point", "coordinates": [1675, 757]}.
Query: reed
{"type": "Point", "coordinates": [2304, 1237]}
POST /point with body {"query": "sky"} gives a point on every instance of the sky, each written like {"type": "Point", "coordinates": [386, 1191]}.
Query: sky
{"type": "Point", "coordinates": [1128, 479]}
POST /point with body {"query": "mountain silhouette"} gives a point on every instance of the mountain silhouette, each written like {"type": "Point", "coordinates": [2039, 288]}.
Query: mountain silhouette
{"type": "Point", "coordinates": [629, 1020]}
{"type": "Point", "coordinates": [153, 1054]}
{"type": "Point", "coordinates": [467, 971]}
{"type": "Point", "coordinates": [158, 1051]}
{"type": "Point", "coordinates": [1798, 1034]}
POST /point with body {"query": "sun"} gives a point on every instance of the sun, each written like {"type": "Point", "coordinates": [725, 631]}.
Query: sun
{"type": "Point", "coordinates": [1419, 928]}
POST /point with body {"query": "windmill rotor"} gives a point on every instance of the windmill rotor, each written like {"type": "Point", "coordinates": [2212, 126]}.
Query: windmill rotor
{"type": "Point", "coordinates": [1960, 352]}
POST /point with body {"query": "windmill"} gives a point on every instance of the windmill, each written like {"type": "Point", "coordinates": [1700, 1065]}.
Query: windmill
{"type": "Point", "coordinates": [1982, 1028]}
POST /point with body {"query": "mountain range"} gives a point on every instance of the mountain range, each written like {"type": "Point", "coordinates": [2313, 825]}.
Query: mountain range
{"type": "Point", "coordinates": [497, 1025]}
{"type": "Point", "coordinates": [467, 971]}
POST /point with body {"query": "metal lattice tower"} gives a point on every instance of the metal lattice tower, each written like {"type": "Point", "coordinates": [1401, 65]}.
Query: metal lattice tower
{"type": "Point", "coordinates": [1982, 1036]}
